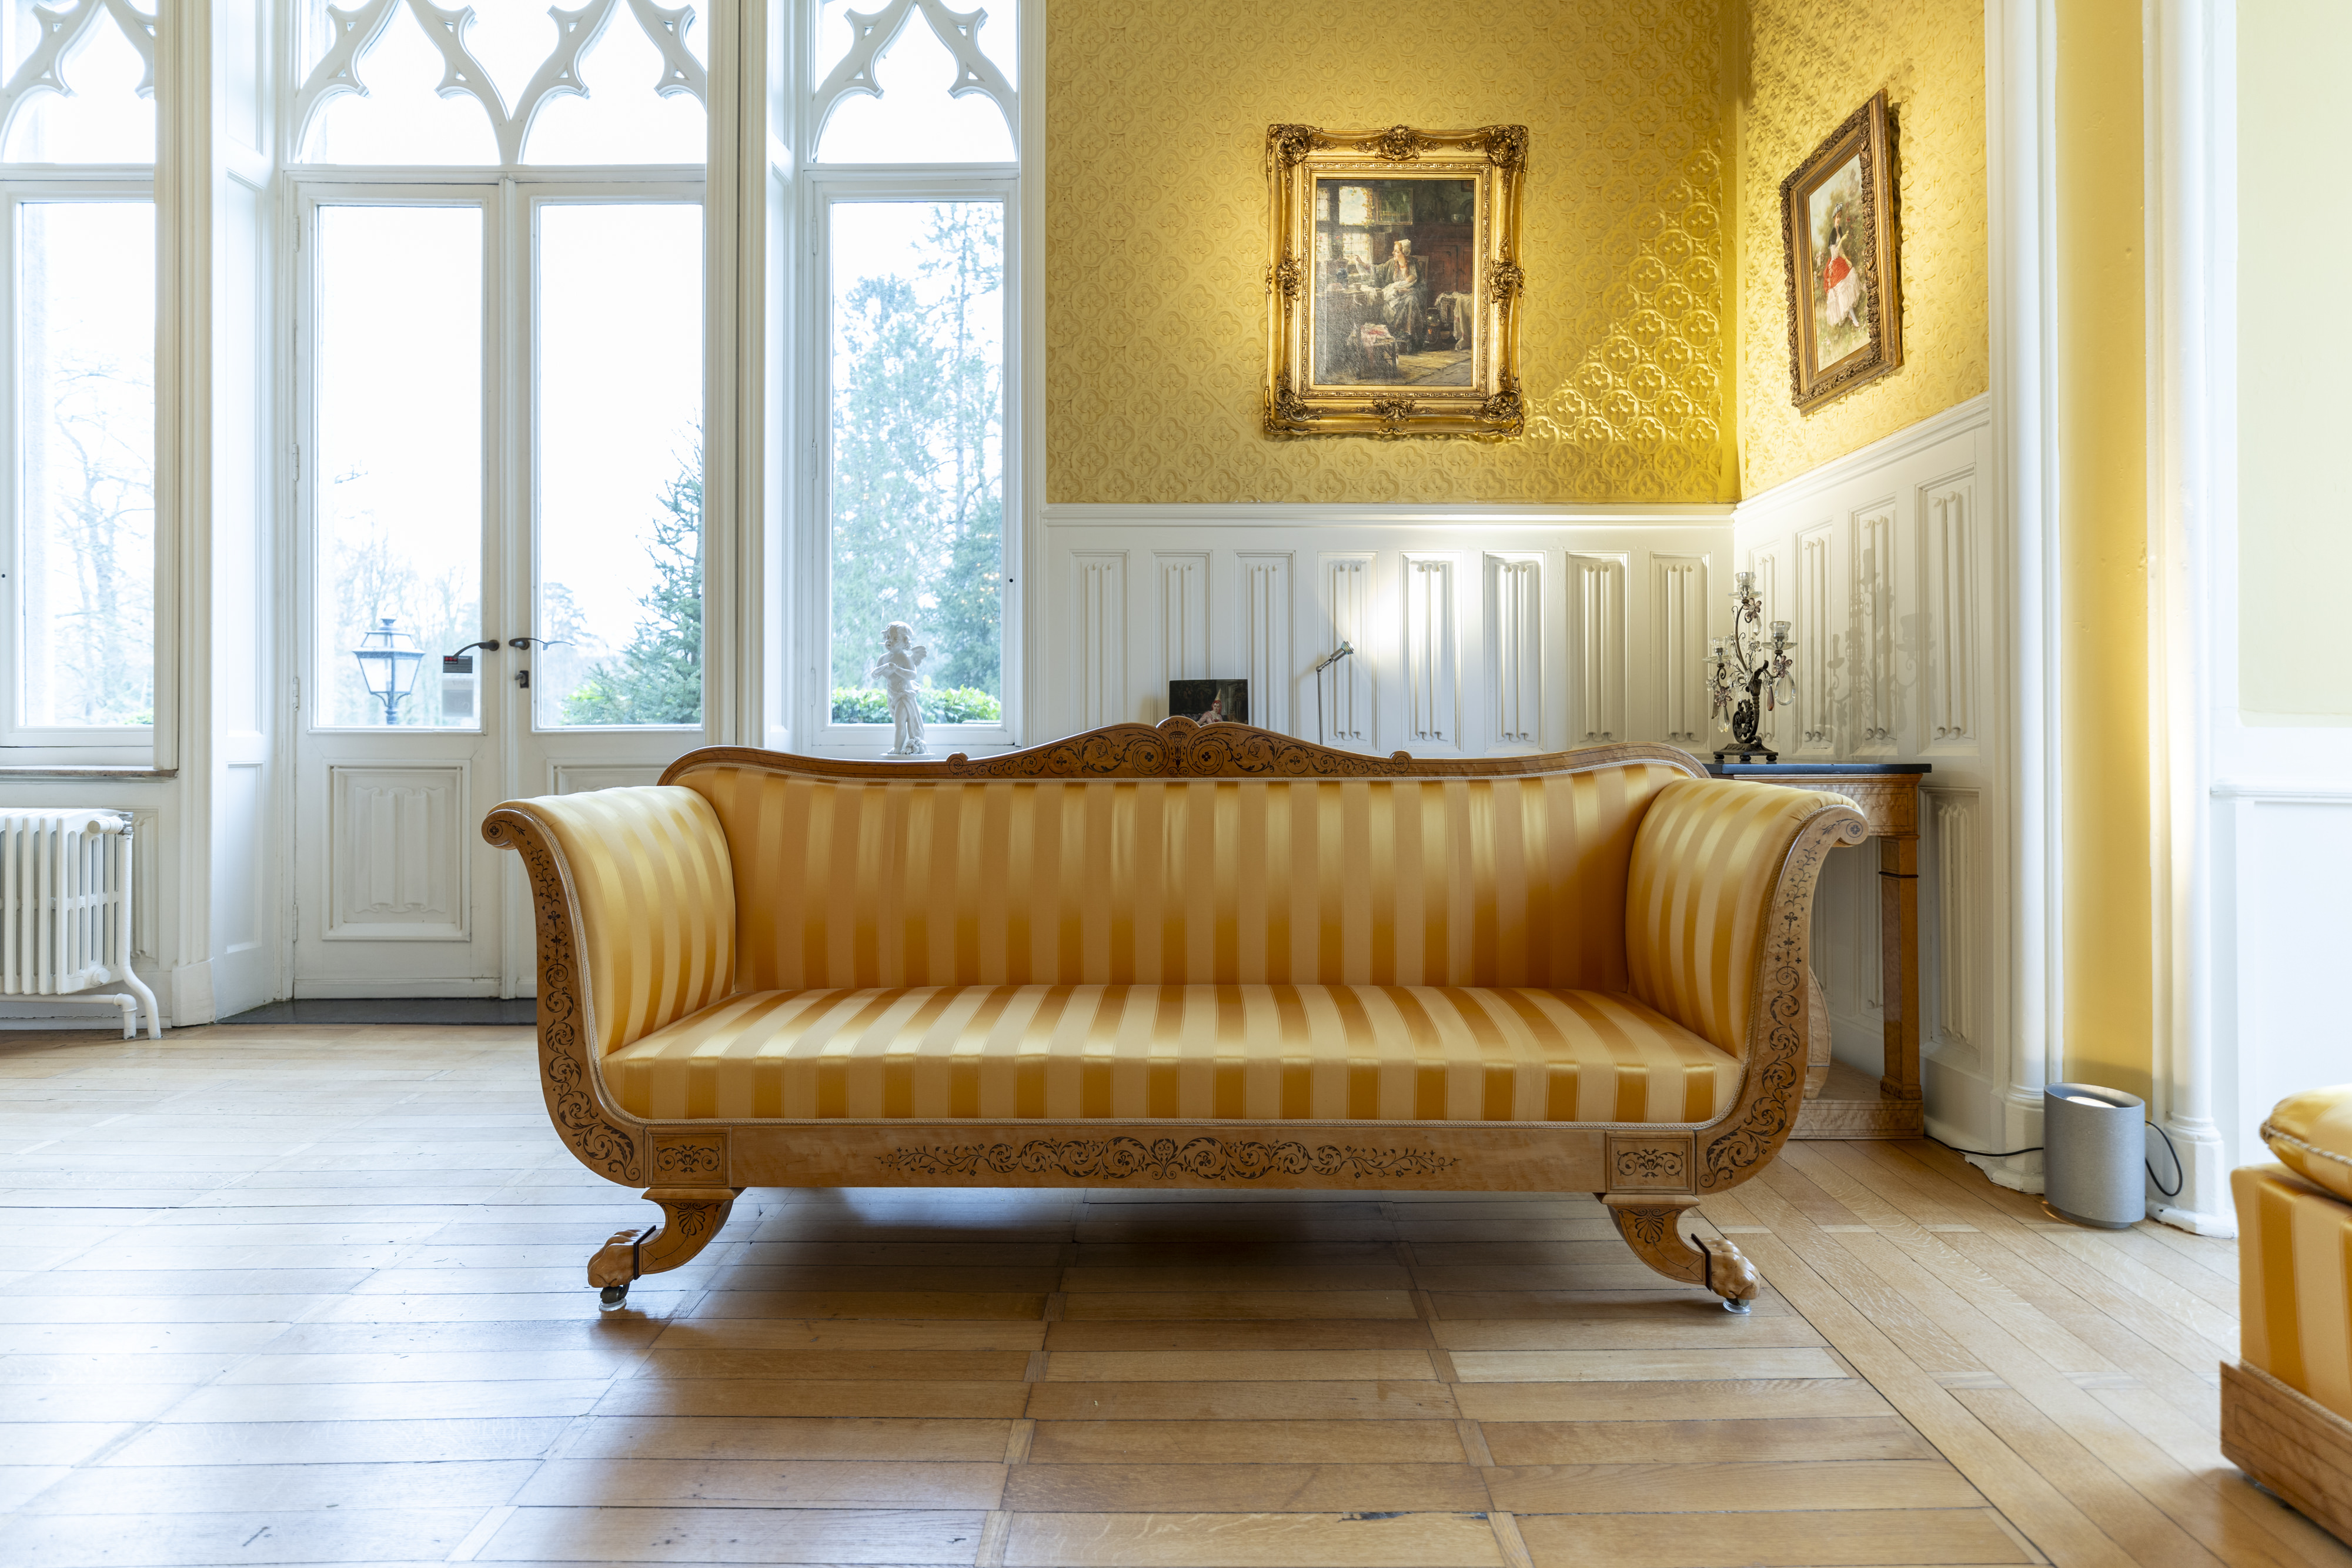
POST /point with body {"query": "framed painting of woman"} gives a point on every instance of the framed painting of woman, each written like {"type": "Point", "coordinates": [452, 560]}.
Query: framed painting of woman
{"type": "Point", "coordinates": [1837, 222]}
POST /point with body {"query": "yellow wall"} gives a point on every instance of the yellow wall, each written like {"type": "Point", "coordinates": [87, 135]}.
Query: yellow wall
{"type": "Point", "coordinates": [2294, 550]}
{"type": "Point", "coordinates": [2103, 541]}
{"type": "Point", "coordinates": [1811, 63]}
{"type": "Point", "coordinates": [1155, 220]}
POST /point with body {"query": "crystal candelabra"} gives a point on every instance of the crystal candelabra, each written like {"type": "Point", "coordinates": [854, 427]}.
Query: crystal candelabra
{"type": "Point", "coordinates": [1747, 678]}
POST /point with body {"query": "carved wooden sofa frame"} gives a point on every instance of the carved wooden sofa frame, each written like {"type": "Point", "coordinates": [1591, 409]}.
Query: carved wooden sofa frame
{"type": "Point", "coordinates": [1647, 1175]}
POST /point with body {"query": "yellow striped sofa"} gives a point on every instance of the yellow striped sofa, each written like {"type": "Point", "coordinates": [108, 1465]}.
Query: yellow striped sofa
{"type": "Point", "coordinates": [1177, 956]}
{"type": "Point", "coordinates": [2286, 1406]}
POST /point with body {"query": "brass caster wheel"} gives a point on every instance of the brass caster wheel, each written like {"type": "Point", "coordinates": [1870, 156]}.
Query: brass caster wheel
{"type": "Point", "coordinates": [612, 1298]}
{"type": "Point", "coordinates": [1742, 1308]}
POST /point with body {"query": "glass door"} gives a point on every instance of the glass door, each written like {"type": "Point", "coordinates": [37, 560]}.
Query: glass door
{"type": "Point", "coordinates": [501, 492]}
{"type": "Point", "coordinates": [609, 569]}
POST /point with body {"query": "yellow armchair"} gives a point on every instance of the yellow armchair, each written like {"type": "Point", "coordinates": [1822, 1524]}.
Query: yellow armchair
{"type": "Point", "coordinates": [2286, 1406]}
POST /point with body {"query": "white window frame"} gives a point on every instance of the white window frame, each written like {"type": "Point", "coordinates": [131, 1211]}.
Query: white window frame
{"type": "Point", "coordinates": [528, 195]}
{"type": "Point", "coordinates": [23, 745]}
{"type": "Point", "coordinates": [822, 186]}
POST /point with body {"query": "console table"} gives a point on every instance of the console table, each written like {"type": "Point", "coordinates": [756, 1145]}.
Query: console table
{"type": "Point", "coordinates": [1888, 793]}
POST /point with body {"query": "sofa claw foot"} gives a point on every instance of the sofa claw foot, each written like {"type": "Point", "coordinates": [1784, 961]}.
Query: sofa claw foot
{"type": "Point", "coordinates": [1651, 1228]}
{"type": "Point", "coordinates": [691, 1217]}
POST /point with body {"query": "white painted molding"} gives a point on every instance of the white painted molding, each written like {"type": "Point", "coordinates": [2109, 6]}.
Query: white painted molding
{"type": "Point", "coordinates": [1098, 626]}
{"type": "Point", "coordinates": [1182, 578]}
{"type": "Point", "coordinates": [1678, 639]}
{"type": "Point", "coordinates": [1977, 412]}
{"type": "Point", "coordinates": [1433, 636]}
{"type": "Point", "coordinates": [1348, 698]}
{"type": "Point", "coordinates": [2282, 793]}
{"type": "Point", "coordinates": [1267, 659]}
{"type": "Point", "coordinates": [1597, 631]}
{"type": "Point", "coordinates": [1514, 650]}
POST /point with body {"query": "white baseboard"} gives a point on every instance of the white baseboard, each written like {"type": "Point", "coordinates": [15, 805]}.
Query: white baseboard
{"type": "Point", "coordinates": [363, 985]}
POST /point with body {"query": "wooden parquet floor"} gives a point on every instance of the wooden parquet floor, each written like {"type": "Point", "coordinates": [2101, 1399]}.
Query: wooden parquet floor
{"type": "Point", "coordinates": [238, 1330]}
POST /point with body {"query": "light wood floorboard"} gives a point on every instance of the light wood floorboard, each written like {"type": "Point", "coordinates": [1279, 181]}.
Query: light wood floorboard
{"type": "Point", "coordinates": [238, 1328]}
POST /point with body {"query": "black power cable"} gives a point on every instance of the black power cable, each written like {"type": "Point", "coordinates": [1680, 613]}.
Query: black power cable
{"type": "Point", "coordinates": [2179, 1173]}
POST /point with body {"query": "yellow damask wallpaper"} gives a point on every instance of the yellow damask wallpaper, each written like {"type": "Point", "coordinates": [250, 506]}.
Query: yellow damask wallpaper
{"type": "Point", "coordinates": [1809, 64]}
{"type": "Point", "coordinates": [1155, 220]}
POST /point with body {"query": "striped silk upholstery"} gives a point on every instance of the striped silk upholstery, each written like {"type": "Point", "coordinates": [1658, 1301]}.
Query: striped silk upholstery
{"type": "Point", "coordinates": [656, 904]}
{"type": "Point", "coordinates": [1265, 1053]}
{"type": "Point", "coordinates": [2295, 1283]}
{"type": "Point", "coordinates": [1705, 861]}
{"type": "Point", "coordinates": [1406, 882]}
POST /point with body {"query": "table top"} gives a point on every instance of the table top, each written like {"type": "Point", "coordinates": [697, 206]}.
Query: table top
{"type": "Point", "coordinates": [1815, 769]}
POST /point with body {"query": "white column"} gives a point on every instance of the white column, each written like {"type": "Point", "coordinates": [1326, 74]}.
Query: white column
{"type": "Point", "coordinates": [741, 468]}
{"type": "Point", "coordinates": [184, 176]}
{"type": "Point", "coordinates": [2020, 129]}
{"type": "Point", "coordinates": [2183, 55]}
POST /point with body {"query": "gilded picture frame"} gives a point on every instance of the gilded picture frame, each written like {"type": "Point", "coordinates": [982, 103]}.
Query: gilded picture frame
{"type": "Point", "coordinates": [1393, 280]}
{"type": "Point", "coordinates": [1838, 230]}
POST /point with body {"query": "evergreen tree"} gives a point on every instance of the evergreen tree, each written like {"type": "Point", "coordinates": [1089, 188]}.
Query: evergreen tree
{"type": "Point", "coordinates": [657, 678]}
{"type": "Point", "coordinates": [918, 479]}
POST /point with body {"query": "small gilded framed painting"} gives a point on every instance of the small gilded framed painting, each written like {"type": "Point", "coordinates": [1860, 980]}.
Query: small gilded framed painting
{"type": "Point", "coordinates": [1837, 223]}
{"type": "Point", "coordinates": [1393, 280]}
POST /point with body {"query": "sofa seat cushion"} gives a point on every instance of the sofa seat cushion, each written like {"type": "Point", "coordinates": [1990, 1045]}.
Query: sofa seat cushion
{"type": "Point", "coordinates": [1287, 1052]}
{"type": "Point", "coordinates": [2311, 1133]}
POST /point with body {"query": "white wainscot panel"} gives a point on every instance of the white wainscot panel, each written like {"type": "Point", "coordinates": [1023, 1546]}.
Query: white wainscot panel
{"type": "Point", "coordinates": [1678, 622]}
{"type": "Point", "coordinates": [1819, 642]}
{"type": "Point", "coordinates": [1349, 686]}
{"type": "Point", "coordinates": [1951, 549]}
{"type": "Point", "coordinates": [1951, 919]}
{"type": "Point", "coordinates": [1266, 637]}
{"type": "Point", "coordinates": [1098, 639]}
{"type": "Point", "coordinates": [1771, 589]}
{"type": "Point", "coordinates": [1875, 630]}
{"type": "Point", "coordinates": [1847, 956]}
{"type": "Point", "coordinates": [1889, 562]}
{"type": "Point", "coordinates": [1182, 606]}
{"type": "Point", "coordinates": [1514, 615]}
{"type": "Point", "coordinates": [2280, 858]}
{"type": "Point", "coordinates": [1433, 682]}
{"type": "Point", "coordinates": [397, 842]}
{"type": "Point", "coordinates": [1597, 644]}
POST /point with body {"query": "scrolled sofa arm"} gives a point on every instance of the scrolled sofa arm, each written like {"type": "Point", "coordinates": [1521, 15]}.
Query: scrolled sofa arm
{"type": "Point", "coordinates": [643, 879]}
{"type": "Point", "coordinates": [1712, 872]}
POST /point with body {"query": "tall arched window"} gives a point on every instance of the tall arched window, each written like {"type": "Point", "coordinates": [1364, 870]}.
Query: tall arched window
{"type": "Point", "coordinates": [77, 176]}
{"type": "Point", "coordinates": [911, 180]}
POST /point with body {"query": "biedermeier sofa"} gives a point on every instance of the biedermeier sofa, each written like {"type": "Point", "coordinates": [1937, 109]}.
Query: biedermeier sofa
{"type": "Point", "coordinates": [1177, 956]}
{"type": "Point", "coordinates": [2286, 1406]}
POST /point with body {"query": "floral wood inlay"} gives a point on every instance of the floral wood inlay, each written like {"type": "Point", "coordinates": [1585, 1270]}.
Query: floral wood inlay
{"type": "Point", "coordinates": [1213, 1159]}
{"type": "Point", "coordinates": [1649, 1165]}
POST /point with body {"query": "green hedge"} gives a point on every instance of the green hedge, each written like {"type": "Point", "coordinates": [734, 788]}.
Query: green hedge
{"type": "Point", "coordinates": [942, 705]}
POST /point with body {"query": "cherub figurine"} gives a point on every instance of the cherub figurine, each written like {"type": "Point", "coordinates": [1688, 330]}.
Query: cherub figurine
{"type": "Point", "coordinates": [896, 672]}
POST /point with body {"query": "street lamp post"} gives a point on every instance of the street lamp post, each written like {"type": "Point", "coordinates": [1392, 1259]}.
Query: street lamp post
{"type": "Point", "coordinates": [388, 660]}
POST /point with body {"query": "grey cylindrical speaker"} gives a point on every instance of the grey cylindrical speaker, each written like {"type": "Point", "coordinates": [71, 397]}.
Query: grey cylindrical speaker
{"type": "Point", "coordinates": [2095, 1154]}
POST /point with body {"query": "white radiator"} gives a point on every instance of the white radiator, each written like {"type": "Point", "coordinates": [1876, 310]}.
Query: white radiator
{"type": "Point", "coordinates": [65, 909]}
